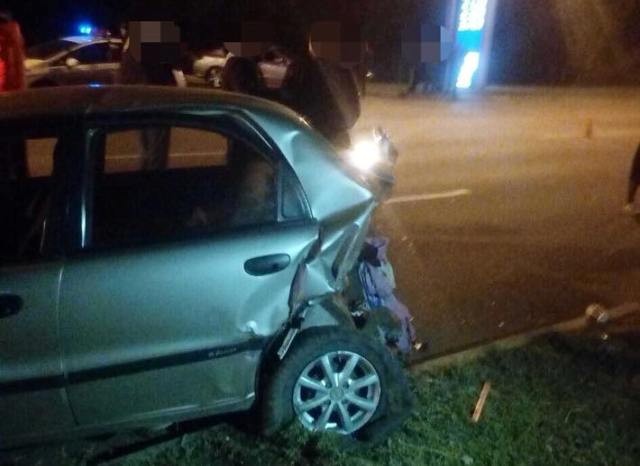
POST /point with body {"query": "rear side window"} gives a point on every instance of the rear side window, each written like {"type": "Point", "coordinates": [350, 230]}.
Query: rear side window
{"type": "Point", "coordinates": [26, 167]}
{"type": "Point", "coordinates": [93, 54]}
{"type": "Point", "coordinates": [139, 150]}
{"type": "Point", "coordinates": [158, 183]}
{"type": "Point", "coordinates": [115, 52]}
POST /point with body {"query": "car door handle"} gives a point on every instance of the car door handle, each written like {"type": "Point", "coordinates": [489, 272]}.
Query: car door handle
{"type": "Point", "coordinates": [267, 265]}
{"type": "Point", "coordinates": [10, 305]}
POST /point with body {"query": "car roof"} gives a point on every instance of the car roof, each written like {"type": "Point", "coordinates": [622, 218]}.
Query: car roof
{"type": "Point", "coordinates": [73, 101]}
{"type": "Point", "coordinates": [83, 40]}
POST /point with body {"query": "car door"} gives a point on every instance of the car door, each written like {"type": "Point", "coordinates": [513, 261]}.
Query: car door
{"type": "Point", "coordinates": [91, 64]}
{"type": "Point", "coordinates": [184, 273]}
{"type": "Point", "coordinates": [32, 384]}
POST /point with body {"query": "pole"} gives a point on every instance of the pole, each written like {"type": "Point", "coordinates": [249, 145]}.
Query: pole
{"type": "Point", "coordinates": [487, 43]}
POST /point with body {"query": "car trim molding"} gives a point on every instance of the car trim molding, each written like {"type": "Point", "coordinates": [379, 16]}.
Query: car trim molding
{"type": "Point", "coordinates": [99, 373]}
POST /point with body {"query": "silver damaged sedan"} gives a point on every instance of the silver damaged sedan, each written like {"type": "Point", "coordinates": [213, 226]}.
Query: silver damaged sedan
{"type": "Point", "coordinates": [168, 254]}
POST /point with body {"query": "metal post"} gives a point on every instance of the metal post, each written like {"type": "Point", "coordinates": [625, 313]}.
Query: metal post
{"type": "Point", "coordinates": [487, 43]}
{"type": "Point", "coordinates": [474, 27]}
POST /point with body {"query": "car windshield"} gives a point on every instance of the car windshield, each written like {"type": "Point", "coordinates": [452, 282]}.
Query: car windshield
{"type": "Point", "coordinates": [49, 49]}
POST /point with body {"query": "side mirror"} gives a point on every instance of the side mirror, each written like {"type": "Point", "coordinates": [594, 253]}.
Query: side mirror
{"type": "Point", "coordinates": [71, 62]}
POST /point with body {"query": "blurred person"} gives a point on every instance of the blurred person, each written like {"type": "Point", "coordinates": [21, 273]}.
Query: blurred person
{"type": "Point", "coordinates": [12, 78]}
{"type": "Point", "coordinates": [151, 56]}
{"type": "Point", "coordinates": [365, 67]}
{"type": "Point", "coordinates": [153, 62]}
{"type": "Point", "coordinates": [419, 77]}
{"type": "Point", "coordinates": [326, 94]}
{"type": "Point", "coordinates": [634, 183]}
{"type": "Point", "coordinates": [453, 65]}
{"type": "Point", "coordinates": [12, 54]}
{"type": "Point", "coordinates": [241, 74]}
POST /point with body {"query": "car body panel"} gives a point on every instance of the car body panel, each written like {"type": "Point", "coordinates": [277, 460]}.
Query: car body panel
{"type": "Point", "coordinates": [215, 59]}
{"type": "Point", "coordinates": [343, 206]}
{"type": "Point", "coordinates": [31, 367]}
{"type": "Point", "coordinates": [188, 301]}
{"type": "Point", "coordinates": [179, 329]}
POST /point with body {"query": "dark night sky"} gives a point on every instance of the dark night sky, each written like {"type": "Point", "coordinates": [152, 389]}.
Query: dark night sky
{"type": "Point", "coordinates": [536, 41]}
{"type": "Point", "coordinates": [567, 41]}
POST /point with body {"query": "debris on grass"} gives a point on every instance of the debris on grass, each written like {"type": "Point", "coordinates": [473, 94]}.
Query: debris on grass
{"type": "Point", "coordinates": [597, 313]}
{"type": "Point", "coordinates": [467, 460]}
{"type": "Point", "coordinates": [482, 400]}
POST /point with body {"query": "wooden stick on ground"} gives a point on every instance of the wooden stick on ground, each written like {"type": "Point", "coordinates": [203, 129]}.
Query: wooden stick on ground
{"type": "Point", "coordinates": [484, 394]}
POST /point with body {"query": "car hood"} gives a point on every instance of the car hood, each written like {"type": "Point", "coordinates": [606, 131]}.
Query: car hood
{"type": "Point", "coordinates": [33, 63]}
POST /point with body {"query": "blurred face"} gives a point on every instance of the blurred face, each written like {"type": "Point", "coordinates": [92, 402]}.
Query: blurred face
{"type": "Point", "coordinates": [154, 41]}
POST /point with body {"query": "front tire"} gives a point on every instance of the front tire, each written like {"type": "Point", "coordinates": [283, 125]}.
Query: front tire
{"type": "Point", "coordinates": [335, 380]}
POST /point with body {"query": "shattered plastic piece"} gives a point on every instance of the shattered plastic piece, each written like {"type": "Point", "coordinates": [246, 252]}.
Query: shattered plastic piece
{"type": "Point", "coordinates": [378, 284]}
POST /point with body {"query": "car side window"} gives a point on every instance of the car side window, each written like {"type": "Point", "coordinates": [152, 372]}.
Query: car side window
{"type": "Point", "coordinates": [26, 167]}
{"type": "Point", "coordinates": [115, 52]}
{"type": "Point", "coordinates": [93, 54]}
{"type": "Point", "coordinates": [159, 183]}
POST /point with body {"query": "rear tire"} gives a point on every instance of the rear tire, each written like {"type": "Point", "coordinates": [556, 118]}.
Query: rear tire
{"type": "Point", "coordinates": [363, 395]}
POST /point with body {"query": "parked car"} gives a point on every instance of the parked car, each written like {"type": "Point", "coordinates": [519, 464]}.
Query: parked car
{"type": "Point", "coordinates": [134, 295]}
{"type": "Point", "coordinates": [273, 67]}
{"type": "Point", "coordinates": [74, 60]}
{"type": "Point", "coordinates": [210, 64]}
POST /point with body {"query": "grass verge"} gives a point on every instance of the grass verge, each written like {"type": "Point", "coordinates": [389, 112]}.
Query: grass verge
{"type": "Point", "coordinates": [555, 402]}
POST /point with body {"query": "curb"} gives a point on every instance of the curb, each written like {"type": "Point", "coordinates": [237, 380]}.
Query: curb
{"type": "Point", "coordinates": [596, 317]}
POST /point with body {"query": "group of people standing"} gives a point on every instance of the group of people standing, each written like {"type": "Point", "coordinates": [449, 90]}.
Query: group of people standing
{"type": "Point", "coordinates": [138, 69]}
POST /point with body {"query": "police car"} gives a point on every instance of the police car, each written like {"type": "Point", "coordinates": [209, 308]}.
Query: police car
{"type": "Point", "coordinates": [83, 59]}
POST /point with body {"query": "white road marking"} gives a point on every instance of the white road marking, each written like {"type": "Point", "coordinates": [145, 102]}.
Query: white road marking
{"type": "Point", "coordinates": [429, 197]}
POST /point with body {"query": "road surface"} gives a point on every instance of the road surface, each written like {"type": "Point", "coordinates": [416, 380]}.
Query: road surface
{"type": "Point", "coordinates": [507, 213]}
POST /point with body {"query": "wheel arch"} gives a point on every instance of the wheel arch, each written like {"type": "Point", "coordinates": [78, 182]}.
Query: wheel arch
{"type": "Point", "coordinates": [321, 316]}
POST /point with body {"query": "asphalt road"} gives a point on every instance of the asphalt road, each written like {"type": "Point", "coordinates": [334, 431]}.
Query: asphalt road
{"type": "Point", "coordinates": [507, 213]}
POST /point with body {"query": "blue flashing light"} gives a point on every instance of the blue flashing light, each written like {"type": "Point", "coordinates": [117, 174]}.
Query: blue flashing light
{"type": "Point", "coordinates": [85, 29]}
